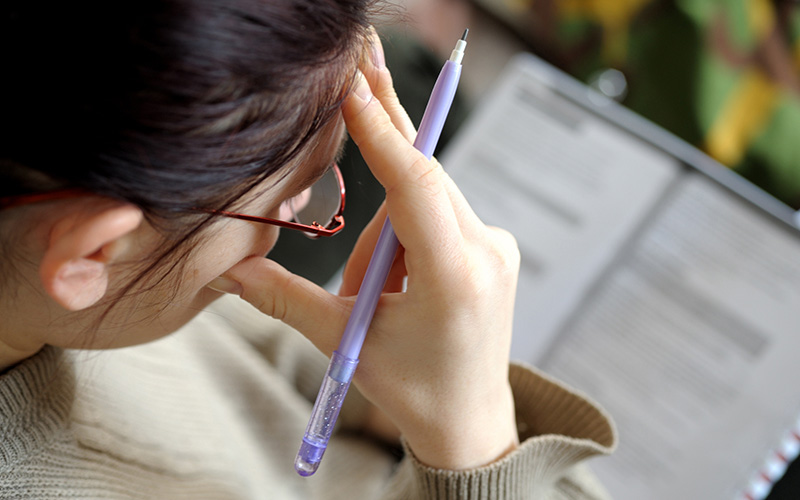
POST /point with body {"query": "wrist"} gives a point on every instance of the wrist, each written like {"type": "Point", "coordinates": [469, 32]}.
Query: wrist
{"type": "Point", "coordinates": [475, 437]}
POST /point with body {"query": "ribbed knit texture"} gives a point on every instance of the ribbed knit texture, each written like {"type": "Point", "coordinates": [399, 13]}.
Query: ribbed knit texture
{"type": "Point", "coordinates": [217, 410]}
{"type": "Point", "coordinates": [558, 430]}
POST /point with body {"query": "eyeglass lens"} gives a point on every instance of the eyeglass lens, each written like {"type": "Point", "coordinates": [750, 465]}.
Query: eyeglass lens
{"type": "Point", "coordinates": [319, 203]}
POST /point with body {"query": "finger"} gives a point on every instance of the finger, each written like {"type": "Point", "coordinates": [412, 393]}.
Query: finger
{"type": "Point", "coordinates": [357, 263]}
{"type": "Point", "coordinates": [380, 81]}
{"type": "Point", "coordinates": [301, 304]}
{"type": "Point", "coordinates": [395, 282]}
{"type": "Point", "coordinates": [378, 76]}
{"type": "Point", "coordinates": [468, 220]}
{"type": "Point", "coordinates": [415, 192]}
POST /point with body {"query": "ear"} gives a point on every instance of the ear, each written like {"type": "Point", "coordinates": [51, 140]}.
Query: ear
{"type": "Point", "coordinates": [82, 245]}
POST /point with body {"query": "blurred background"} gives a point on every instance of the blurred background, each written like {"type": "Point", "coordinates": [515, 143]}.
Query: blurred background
{"type": "Point", "coordinates": [724, 75]}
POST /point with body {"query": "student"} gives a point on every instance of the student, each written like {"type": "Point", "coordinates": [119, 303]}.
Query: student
{"type": "Point", "coordinates": [139, 130]}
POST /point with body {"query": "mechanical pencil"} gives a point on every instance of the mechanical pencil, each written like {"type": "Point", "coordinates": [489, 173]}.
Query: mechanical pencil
{"type": "Point", "coordinates": [345, 358]}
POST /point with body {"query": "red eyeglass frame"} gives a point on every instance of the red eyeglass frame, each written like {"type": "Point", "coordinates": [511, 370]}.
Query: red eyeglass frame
{"type": "Point", "coordinates": [314, 229]}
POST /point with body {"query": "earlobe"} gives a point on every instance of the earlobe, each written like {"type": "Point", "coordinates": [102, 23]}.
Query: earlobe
{"type": "Point", "coordinates": [81, 247]}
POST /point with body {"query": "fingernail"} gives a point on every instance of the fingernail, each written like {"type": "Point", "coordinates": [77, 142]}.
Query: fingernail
{"type": "Point", "coordinates": [376, 48]}
{"type": "Point", "coordinates": [361, 87]}
{"type": "Point", "coordinates": [225, 285]}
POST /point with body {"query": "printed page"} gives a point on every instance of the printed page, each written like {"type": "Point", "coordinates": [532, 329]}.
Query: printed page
{"type": "Point", "coordinates": [663, 296]}
{"type": "Point", "coordinates": [691, 344]}
{"type": "Point", "coordinates": [568, 186]}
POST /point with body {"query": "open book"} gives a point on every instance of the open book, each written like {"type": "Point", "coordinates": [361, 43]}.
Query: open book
{"type": "Point", "coordinates": [653, 279]}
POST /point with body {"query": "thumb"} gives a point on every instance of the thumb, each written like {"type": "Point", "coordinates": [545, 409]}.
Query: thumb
{"type": "Point", "coordinates": [319, 315]}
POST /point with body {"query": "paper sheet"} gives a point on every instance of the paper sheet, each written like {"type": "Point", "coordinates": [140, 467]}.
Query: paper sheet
{"type": "Point", "coordinates": [690, 343]}
{"type": "Point", "coordinates": [668, 299]}
{"type": "Point", "coordinates": [568, 186]}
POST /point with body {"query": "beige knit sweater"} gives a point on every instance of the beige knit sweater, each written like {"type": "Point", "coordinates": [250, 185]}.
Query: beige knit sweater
{"type": "Point", "coordinates": [217, 410]}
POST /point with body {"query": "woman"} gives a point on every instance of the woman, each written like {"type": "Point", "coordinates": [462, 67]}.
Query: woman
{"type": "Point", "coordinates": [144, 132]}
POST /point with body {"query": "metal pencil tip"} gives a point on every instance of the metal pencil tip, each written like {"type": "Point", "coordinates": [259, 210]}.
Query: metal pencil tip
{"type": "Point", "coordinates": [464, 36]}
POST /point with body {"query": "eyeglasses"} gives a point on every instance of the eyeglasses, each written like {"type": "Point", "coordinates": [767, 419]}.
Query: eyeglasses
{"type": "Point", "coordinates": [317, 211]}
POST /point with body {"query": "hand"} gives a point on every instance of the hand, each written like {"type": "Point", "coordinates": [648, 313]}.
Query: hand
{"type": "Point", "coordinates": [436, 356]}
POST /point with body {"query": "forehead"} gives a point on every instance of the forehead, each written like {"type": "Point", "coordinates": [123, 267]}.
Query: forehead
{"type": "Point", "coordinates": [326, 148]}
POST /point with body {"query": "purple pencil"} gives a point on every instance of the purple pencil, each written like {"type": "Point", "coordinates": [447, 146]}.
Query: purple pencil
{"type": "Point", "coordinates": [345, 357]}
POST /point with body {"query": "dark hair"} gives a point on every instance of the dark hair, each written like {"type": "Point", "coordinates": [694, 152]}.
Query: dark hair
{"type": "Point", "coordinates": [169, 104]}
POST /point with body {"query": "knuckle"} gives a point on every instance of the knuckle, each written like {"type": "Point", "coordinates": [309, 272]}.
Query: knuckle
{"type": "Point", "coordinates": [425, 173]}
{"type": "Point", "coordinates": [272, 304]}
{"type": "Point", "coordinates": [388, 93]}
{"type": "Point", "coordinates": [375, 131]}
{"type": "Point", "coordinates": [506, 251]}
{"type": "Point", "coordinates": [416, 173]}
{"type": "Point", "coordinates": [421, 167]}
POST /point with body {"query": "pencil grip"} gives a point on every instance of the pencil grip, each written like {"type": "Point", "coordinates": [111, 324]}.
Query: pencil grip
{"type": "Point", "coordinates": [326, 411]}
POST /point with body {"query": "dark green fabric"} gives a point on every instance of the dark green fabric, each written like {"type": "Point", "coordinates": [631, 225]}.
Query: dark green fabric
{"type": "Point", "coordinates": [689, 64]}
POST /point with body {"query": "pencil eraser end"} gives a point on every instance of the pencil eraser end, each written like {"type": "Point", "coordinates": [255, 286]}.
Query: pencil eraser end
{"type": "Point", "coordinates": [308, 458]}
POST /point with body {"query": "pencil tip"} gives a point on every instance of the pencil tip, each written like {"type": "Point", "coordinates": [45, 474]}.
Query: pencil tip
{"type": "Point", "coordinates": [464, 36]}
